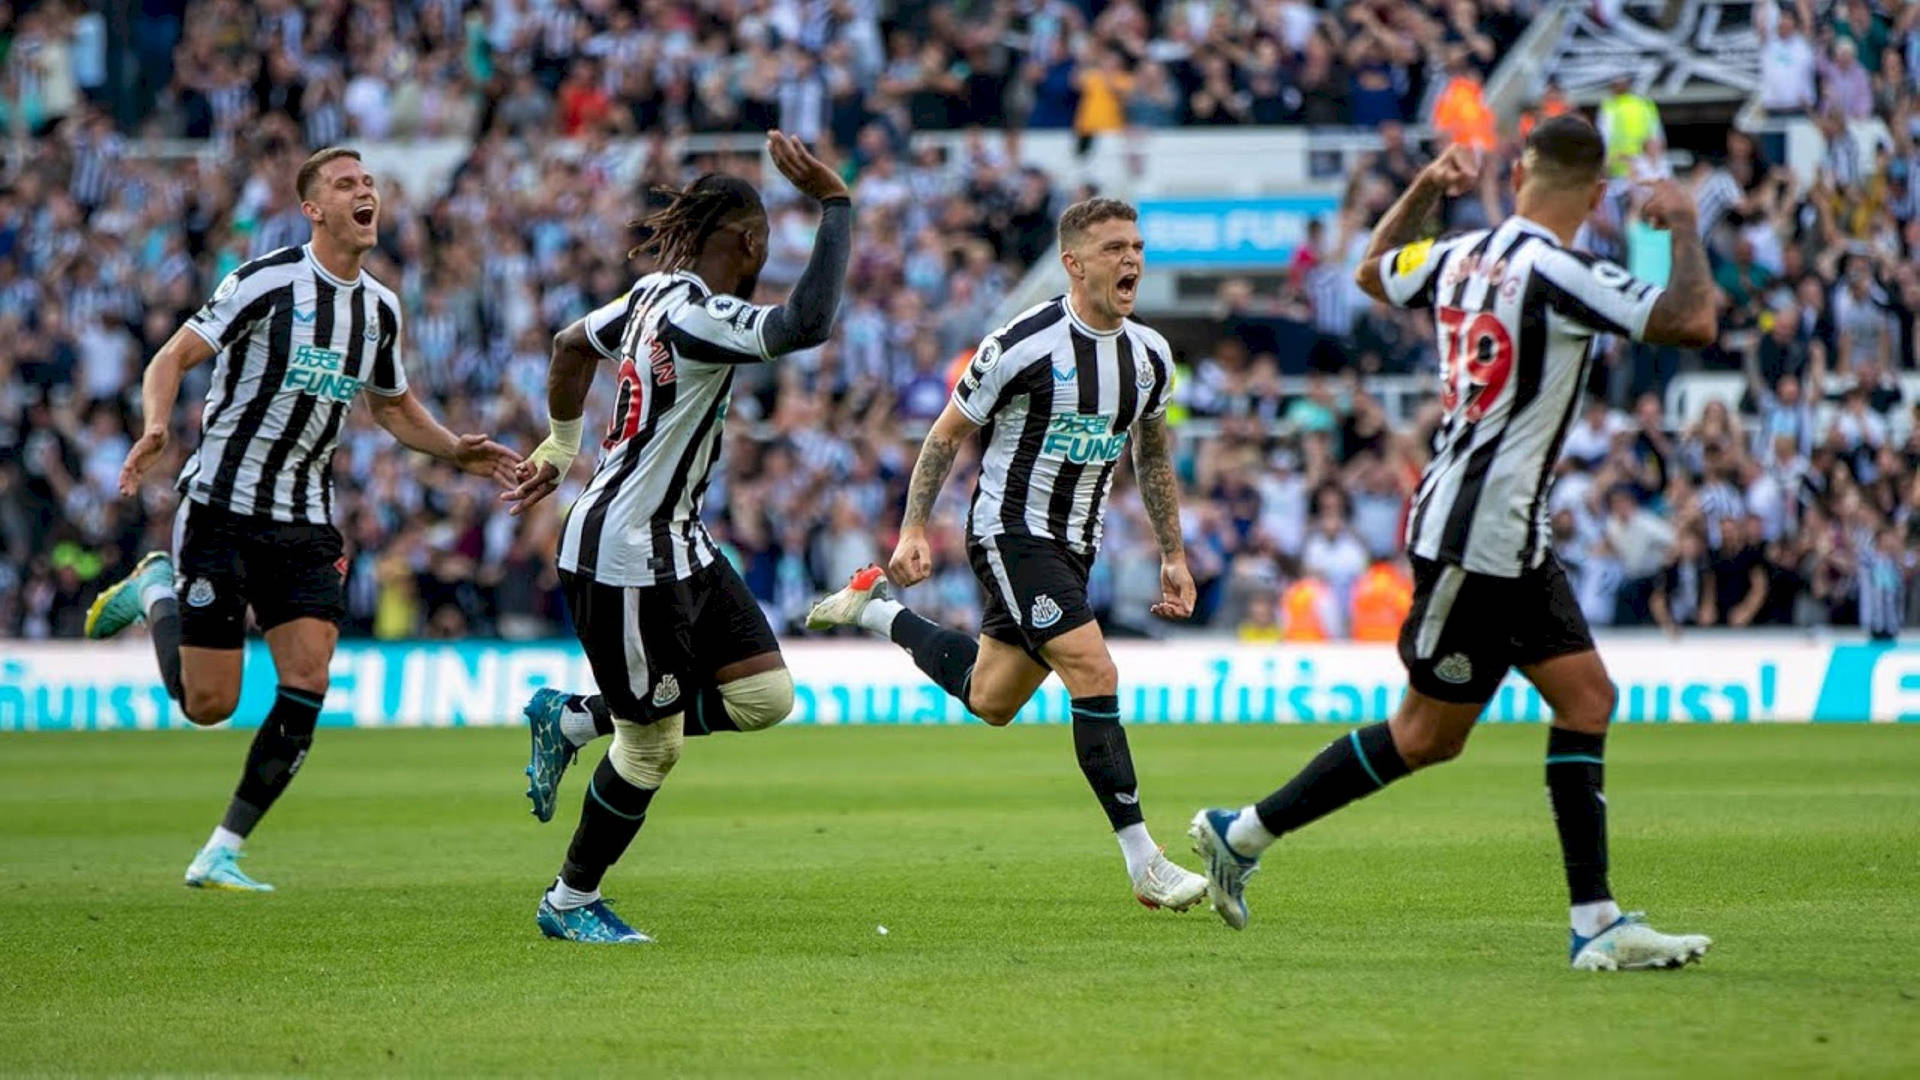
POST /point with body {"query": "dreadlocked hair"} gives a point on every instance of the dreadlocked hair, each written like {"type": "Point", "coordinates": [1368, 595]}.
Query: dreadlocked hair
{"type": "Point", "coordinates": [674, 234]}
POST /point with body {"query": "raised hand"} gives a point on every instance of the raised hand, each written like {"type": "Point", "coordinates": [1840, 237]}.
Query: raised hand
{"type": "Point", "coordinates": [1455, 171]}
{"type": "Point", "coordinates": [808, 173]}
{"type": "Point", "coordinates": [1668, 206]}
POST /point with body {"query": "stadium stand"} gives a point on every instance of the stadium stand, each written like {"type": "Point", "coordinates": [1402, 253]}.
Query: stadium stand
{"type": "Point", "coordinates": [147, 159]}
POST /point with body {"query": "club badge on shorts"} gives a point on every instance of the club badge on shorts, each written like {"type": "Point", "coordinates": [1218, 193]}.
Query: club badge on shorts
{"type": "Point", "coordinates": [1045, 612]}
{"type": "Point", "coordinates": [200, 593]}
{"type": "Point", "coordinates": [666, 691]}
{"type": "Point", "coordinates": [1455, 669]}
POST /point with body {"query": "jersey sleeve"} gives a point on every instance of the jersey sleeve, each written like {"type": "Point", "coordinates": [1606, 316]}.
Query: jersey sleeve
{"type": "Point", "coordinates": [718, 330]}
{"type": "Point", "coordinates": [1408, 274]}
{"type": "Point", "coordinates": [987, 384]}
{"type": "Point", "coordinates": [239, 301]}
{"type": "Point", "coordinates": [389, 376]}
{"type": "Point", "coordinates": [1597, 296]}
{"type": "Point", "coordinates": [607, 326]}
{"type": "Point", "coordinates": [1160, 356]}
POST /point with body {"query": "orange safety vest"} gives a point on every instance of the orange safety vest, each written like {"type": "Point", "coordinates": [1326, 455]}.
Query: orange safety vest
{"type": "Point", "coordinates": [1381, 599]}
{"type": "Point", "coordinates": [1550, 106]}
{"type": "Point", "coordinates": [958, 368]}
{"type": "Point", "coordinates": [1300, 608]}
{"type": "Point", "coordinates": [1462, 113]}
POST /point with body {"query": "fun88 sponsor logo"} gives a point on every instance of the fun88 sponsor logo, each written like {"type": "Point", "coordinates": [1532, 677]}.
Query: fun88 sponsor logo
{"type": "Point", "coordinates": [1083, 438]}
{"type": "Point", "coordinates": [318, 372]}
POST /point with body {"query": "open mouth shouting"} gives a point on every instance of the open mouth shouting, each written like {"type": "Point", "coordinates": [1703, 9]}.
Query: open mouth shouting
{"type": "Point", "coordinates": [363, 214]}
{"type": "Point", "coordinates": [1126, 285]}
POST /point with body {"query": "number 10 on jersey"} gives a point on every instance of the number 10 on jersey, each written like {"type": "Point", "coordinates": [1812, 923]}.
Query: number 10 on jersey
{"type": "Point", "coordinates": [1479, 342]}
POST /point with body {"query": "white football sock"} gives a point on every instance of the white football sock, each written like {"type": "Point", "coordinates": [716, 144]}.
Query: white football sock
{"type": "Point", "coordinates": [877, 617]}
{"type": "Point", "coordinates": [577, 726]}
{"type": "Point", "coordinates": [1590, 919]}
{"type": "Point", "coordinates": [153, 593]}
{"type": "Point", "coordinates": [564, 896]}
{"type": "Point", "coordinates": [224, 837]}
{"type": "Point", "coordinates": [1247, 836]}
{"type": "Point", "coordinates": [1138, 848]}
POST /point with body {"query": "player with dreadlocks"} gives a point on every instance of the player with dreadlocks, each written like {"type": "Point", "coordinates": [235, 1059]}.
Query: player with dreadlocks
{"type": "Point", "coordinates": [676, 642]}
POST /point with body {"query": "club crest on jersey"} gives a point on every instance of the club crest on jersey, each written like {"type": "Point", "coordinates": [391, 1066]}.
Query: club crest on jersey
{"type": "Point", "coordinates": [666, 691]}
{"type": "Point", "coordinates": [1455, 669]}
{"type": "Point", "coordinates": [1045, 612]}
{"type": "Point", "coordinates": [228, 286]}
{"type": "Point", "coordinates": [1143, 375]}
{"type": "Point", "coordinates": [200, 593]}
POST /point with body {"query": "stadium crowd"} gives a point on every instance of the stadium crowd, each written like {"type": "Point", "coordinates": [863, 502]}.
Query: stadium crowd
{"type": "Point", "coordinates": [1797, 509]}
{"type": "Point", "coordinates": [816, 68]}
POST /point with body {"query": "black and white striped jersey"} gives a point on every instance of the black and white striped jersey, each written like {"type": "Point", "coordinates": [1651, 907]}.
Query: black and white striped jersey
{"type": "Point", "coordinates": [295, 345]}
{"type": "Point", "coordinates": [1515, 314]}
{"type": "Point", "coordinates": [1056, 399]}
{"type": "Point", "coordinates": [638, 522]}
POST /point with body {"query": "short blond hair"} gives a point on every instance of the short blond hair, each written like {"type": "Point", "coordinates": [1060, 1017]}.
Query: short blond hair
{"type": "Point", "coordinates": [310, 168]}
{"type": "Point", "coordinates": [1087, 213]}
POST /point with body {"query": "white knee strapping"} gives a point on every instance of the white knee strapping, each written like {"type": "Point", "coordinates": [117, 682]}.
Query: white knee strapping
{"type": "Point", "coordinates": [643, 754]}
{"type": "Point", "coordinates": [759, 701]}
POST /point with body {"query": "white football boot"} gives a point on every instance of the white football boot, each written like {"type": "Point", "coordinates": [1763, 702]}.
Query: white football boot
{"type": "Point", "coordinates": [844, 607]}
{"type": "Point", "coordinates": [1629, 944]}
{"type": "Point", "coordinates": [1166, 884]}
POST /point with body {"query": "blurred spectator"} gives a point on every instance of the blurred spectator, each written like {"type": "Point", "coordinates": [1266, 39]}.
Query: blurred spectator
{"type": "Point", "coordinates": [1685, 594]}
{"type": "Point", "coordinates": [1461, 111]}
{"type": "Point", "coordinates": [1381, 601]}
{"type": "Point", "coordinates": [1787, 65]}
{"type": "Point", "coordinates": [1311, 611]}
{"type": "Point", "coordinates": [1846, 87]}
{"type": "Point", "coordinates": [1631, 125]}
{"type": "Point", "coordinates": [1261, 623]}
{"type": "Point", "coordinates": [1299, 483]}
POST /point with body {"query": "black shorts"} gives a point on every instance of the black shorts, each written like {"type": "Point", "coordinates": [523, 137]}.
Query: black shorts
{"type": "Point", "coordinates": [1465, 630]}
{"type": "Point", "coordinates": [649, 645]}
{"type": "Point", "coordinates": [228, 562]}
{"type": "Point", "coordinates": [1033, 590]}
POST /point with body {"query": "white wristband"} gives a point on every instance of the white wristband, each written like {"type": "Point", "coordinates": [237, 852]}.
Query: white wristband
{"type": "Point", "coordinates": [566, 433]}
{"type": "Point", "coordinates": [562, 445]}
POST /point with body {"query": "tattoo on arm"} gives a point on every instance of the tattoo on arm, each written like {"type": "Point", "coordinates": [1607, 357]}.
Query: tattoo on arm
{"type": "Point", "coordinates": [1677, 317]}
{"type": "Point", "coordinates": [929, 476]}
{"type": "Point", "coordinates": [1403, 223]}
{"type": "Point", "coordinates": [1159, 490]}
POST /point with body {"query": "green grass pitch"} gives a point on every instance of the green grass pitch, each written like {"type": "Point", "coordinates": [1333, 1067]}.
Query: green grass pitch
{"type": "Point", "coordinates": [1421, 932]}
